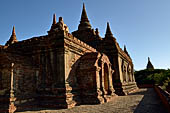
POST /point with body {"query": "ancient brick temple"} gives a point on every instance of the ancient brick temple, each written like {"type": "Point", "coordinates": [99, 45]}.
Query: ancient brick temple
{"type": "Point", "coordinates": [62, 69]}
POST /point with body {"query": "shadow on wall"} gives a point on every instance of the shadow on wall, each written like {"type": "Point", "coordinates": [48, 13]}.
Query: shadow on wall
{"type": "Point", "coordinates": [72, 81]}
{"type": "Point", "coordinates": [76, 79]}
{"type": "Point", "coordinates": [85, 80]}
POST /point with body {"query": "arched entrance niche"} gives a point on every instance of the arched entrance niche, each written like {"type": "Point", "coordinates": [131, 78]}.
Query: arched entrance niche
{"type": "Point", "coordinates": [94, 78]}
{"type": "Point", "coordinates": [106, 78]}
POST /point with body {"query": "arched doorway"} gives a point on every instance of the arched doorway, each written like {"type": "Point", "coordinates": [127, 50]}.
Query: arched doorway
{"type": "Point", "coordinates": [106, 78]}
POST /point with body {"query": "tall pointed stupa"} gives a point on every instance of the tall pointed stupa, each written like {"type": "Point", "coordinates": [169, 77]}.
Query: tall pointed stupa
{"type": "Point", "coordinates": [108, 31]}
{"type": "Point", "coordinates": [12, 39]}
{"type": "Point", "coordinates": [84, 22]}
{"type": "Point", "coordinates": [54, 22]}
{"type": "Point", "coordinates": [149, 65]}
{"type": "Point", "coordinates": [108, 34]}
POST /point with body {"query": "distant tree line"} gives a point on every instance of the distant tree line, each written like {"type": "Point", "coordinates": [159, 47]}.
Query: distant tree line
{"type": "Point", "coordinates": [159, 77]}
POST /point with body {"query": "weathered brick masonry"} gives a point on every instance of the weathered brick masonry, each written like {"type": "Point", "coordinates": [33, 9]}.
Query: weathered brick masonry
{"type": "Point", "coordinates": [61, 70]}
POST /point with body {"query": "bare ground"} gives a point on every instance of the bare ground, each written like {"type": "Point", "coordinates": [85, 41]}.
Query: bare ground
{"type": "Point", "coordinates": [142, 101]}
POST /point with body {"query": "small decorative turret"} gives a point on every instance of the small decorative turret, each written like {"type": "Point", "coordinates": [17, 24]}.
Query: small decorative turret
{"type": "Point", "coordinates": [57, 26]}
{"type": "Point", "coordinates": [84, 23]}
{"type": "Point", "coordinates": [54, 19]}
{"type": "Point", "coordinates": [12, 39]}
{"type": "Point", "coordinates": [149, 65]}
{"type": "Point", "coordinates": [97, 32]}
{"type": "Point", "coordinates": [125, 50]}
{"type": "Point", "coordinates": [54, 22]}
{"type": "Point", "coordinates": [108, 32]}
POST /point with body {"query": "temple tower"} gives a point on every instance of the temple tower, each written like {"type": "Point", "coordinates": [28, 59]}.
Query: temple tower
{"type": "Point", "coordinates": [84, 22]}
{"type": "Point", "coordinates": [12, 39]}
{"type": "Point", "coordinates": [149, 65]}
{"type": "Point", "coordinates": [85, 31]}
{"type": "Point", "coordinates": [123, 77]}
{"type": "Point", "coordinates": [108, 31]}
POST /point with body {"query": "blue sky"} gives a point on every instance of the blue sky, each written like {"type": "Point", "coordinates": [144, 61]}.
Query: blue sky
{"type": "Point", "coordinates": [142, 25]}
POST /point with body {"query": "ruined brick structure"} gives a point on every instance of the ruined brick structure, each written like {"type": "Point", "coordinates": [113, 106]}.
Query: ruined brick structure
{"type": "Point", "coordinates": [62, 69]}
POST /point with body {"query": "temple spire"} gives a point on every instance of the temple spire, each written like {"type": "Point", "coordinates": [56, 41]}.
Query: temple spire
{"type": "Point", "coordinates": [54, 19]}
{"type": "Point", "coordinates": [13, 31]}
{"type": "Point", "coordinates": [148, 59]}
{"type": "Point", "coordinates": [125, 50]}
{"type": "Point", "coordinates": [13, 38]}
{"type": "Point", "coordinates": [84, 22]}
{"type": "Point", "coordinates": [108, 31]}
{"type": "Point", "coordinates": [84, 14]}
{"type": "Point", "coordinates": [54, 22]}
{"type": "Point", "coordinates": [149, 65]}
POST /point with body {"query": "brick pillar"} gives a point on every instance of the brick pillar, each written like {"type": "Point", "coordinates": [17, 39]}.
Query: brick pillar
{"type": "Point", "coordinates": [110, 80]}
{"type": "Point", "coordinates": [99, 92]}
{"type": "Point", "coordinates": [103, 87]}
{"type": "Point", "coordinates": [12, 107]}
{"type": "Point", "coordinates": [98, 77]}
{"type": "Point", "coordinates": [126, 74]}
